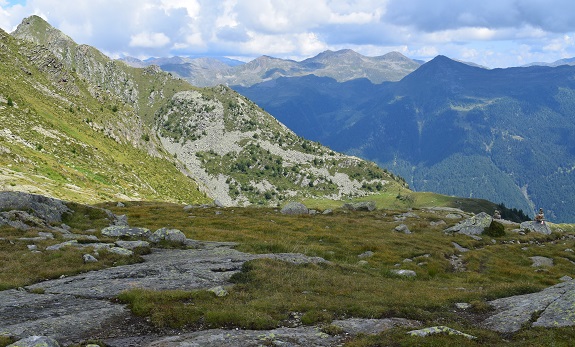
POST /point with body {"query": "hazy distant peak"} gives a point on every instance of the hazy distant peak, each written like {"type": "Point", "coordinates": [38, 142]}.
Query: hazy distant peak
{"type": "Point", "coordinates": [394, 56]}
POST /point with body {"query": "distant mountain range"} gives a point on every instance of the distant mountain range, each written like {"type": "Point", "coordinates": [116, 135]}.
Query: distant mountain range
{"type": "Point", "coordinates": [566, 61]}
{"type": "Point", "coordinates": [343, 65]}
{"type": "Point", "coordinates": [506, 135]}
{"type": "Point", "coordinates": [79, 126]}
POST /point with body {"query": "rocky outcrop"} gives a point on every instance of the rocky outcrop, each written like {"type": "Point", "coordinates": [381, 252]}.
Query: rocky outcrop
{"type": "Point", "coordinates": [293, 337]}
{"type": "Point", "coordinates": [125, 231]}
{"type": "Point", "coordinates": [551, 307]}
{"type": "Point", "coordinates": [472, 226]}
{"type": "Point", "coordinates": [439, 330]}
{"type": "Point", "coordinates": [46, 209]}
{"type": "Point", "coordinates": [62, 316]}
{"type": "Point", "coordinates": [170, 235]}
{"type": "Point", "coordinates": [71, 308]}
{"type": "Point", "coordinates": [24, 211]}
{"type": "Point", "coordinates": [36, 341]}
{"type": "Point", "coordinates": [532, 226]}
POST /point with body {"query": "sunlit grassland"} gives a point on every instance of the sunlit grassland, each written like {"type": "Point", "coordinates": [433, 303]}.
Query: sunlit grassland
{"type": "Point", "coordinates": [267, 293]}
{"type": "Point", "coordinates": [395, 196]}
{"type": "Point", "coordinates": [270, 293]}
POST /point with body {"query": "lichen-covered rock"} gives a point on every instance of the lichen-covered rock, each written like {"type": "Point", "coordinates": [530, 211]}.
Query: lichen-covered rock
{"type": "Point", "coordinates": [294, 208]}
{"type": "Point", "coordinates": [36, 341]}
{"type": "Point", "coordinates": [166, 234]}
{"type": "Point", "coordinates": [360, 206]}
{"type": "Point", "coordinates": [219, 291]}
{"type": "Point", "coordinates": [121, 251]}
{"type": "Point", "coordinates": [404, 273]}
{"type": "Point", "coordinates": [402, 228]}
{"type": "Point", "coordinates": [57, 247]}
{"type": "Point", "coordinates": [472, 226]}
{"type": "Point", "coordinates": [539, 261]}
{"type": "Point", "coordinates": [542, 228]}
{"type": "Point", "coordinates": [88, 258]}
{"type": "Point", "coordinates": [555, 307]}
{"type": "Point", "coordinates": [439, 330]}
{"type": "Point", "coordinates": [125, 231]}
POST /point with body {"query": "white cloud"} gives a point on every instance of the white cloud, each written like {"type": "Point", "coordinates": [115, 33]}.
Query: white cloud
{"type": "Point", "coordinates": [149, 40]}
{"type": "Point", "coordinates": [494, 32]}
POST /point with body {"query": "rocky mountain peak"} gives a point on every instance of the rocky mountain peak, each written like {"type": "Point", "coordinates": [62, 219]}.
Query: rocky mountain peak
{"type": "Point", "coordinates": [37, 30]}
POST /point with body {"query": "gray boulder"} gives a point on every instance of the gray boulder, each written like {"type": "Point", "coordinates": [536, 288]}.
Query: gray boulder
{"type": "Point", "coordinates": [88, 258]}
{"type": "Point", "coordinates": [21, 220]}
{"type": "Point", "coordinates": [404, 273]}
{"type": "Point", "coordinates": [166, 234]}
{"type": "Point", "coordinates": [360, 206]}
{"type": "Point", "coordinates": [125, 231]}
{"type": "Point", "coordinates": [57, 247]}
{"type": "Point", "coordinates": [367, 254]}
{"type": "Point", "coordinates": [554, 306]}
{"type": "Point", "coordinates": [294, 208]}
{"type": "Point", "coordinates": [121, 251]}
{"type": "Point", "coordinates": [439, 330]}
{"type": "Point", "coordinates": [472, 226]}
{"type": "Point", "coordinates": [47, 209]}
{"type": "Point", "coordinates": [402, 228]}
{"type": "Point", "coordinates": [356, 326]}
{"type": "Point", "coordinates": [36, 341]}
{"type": "Point", "coordinates": [542, 228]}
{"type": "Point", "coordinates": [539, 261]}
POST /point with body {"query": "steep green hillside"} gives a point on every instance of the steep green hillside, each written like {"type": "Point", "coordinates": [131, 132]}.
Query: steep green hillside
{"type": "Point", "coordinates": [143, 134]}
{"type": "Point", "coordinates": [57, 139]}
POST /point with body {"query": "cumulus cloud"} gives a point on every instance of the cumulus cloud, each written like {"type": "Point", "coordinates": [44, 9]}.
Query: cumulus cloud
{"type": "Point", "coordinates": [149, 40]}
{"type": "Point", "coordinates": [498, 32]}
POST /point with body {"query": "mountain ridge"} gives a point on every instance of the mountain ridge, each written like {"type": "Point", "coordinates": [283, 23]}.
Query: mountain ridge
{"type": "Point", "coordinates": [342, 65]}
{"type": "Point", "coordinates": [500, 134]}
{"type": "Point", "coordinates": [219, 143]}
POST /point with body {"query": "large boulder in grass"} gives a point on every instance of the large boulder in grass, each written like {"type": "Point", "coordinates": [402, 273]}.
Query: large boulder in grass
{"type": "Point", "coordinates": [166, 234]}
{"type": "Point", "coordinates": [295, 208]}
{"type": "Point", "coordinates": [536, 227]}
{"type": "Point", "coordinates": [360, 206]}
{"type": "Point", "coordinates": [126, 231]}
{"type": "Point", "coordinates": [472, 226]}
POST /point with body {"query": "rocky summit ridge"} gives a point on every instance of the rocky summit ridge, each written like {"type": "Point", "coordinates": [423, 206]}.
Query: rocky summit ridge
{"type": "Point", "coordinates": [343, 65]}
{"type": "Point", "coordinates": [82, 126]}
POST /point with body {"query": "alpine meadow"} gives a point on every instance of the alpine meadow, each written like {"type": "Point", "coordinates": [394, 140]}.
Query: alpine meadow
{"type": "Point", "coordinates": [341, 200]}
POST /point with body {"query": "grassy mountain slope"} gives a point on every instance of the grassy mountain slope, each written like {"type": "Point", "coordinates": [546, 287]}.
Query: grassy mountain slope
{"type": "Point", "coordinates": [505, 135]}
{"type": "Point", "coordinates": [59, 140]}
{"type": "Point", "coordinates": [235, 151]}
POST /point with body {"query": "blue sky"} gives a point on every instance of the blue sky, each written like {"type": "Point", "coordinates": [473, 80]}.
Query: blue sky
{"type": "Point", "coordinates": [493, 33]}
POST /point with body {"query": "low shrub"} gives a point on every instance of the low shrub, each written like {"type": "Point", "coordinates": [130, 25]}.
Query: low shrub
{"type": "Point", "coordinates": [495, 229]}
